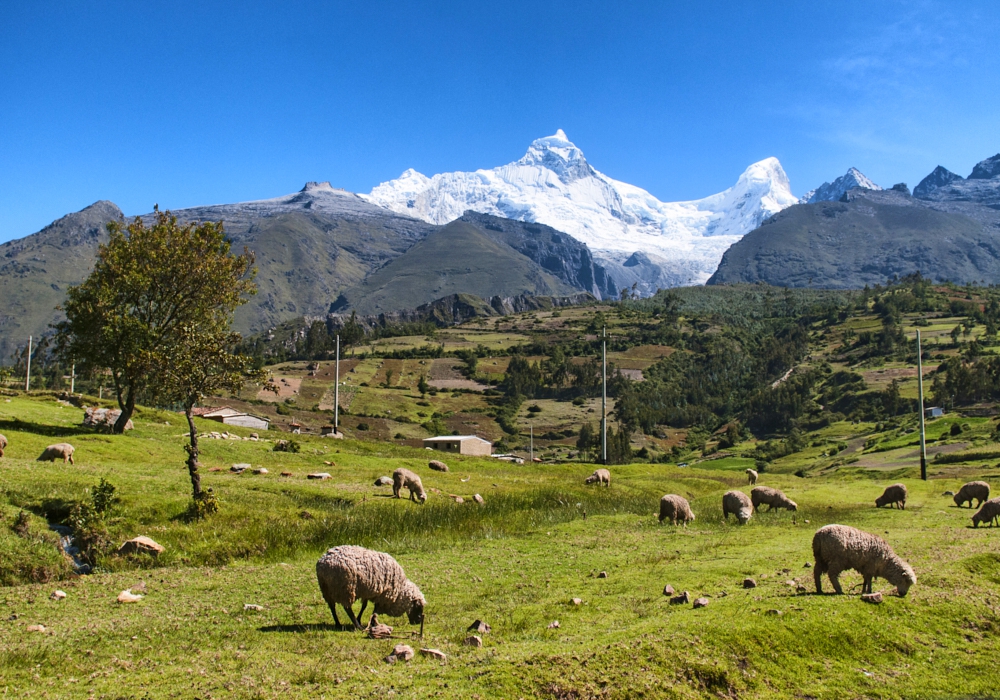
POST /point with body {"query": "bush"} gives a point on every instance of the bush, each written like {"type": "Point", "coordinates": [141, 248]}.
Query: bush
{"type": "Point", "coordinates": [534, 408]}
{"type": "Point", "coordinates": [398, 436]}
{"type": "Point", "coordinates": [282, 410]}
{"type": "Point", "coordinates": [956, 429]}
{"type": "Point", "coordinates": [104, 497]}
{"type": "Point", "coordinates": [204, 505]}
{"type": "Point", "coordinates": [579, 401]}
{"type": "Point", "coordinates": [286, 446]}
{"type": "Point", "coordinates": [362, 426]}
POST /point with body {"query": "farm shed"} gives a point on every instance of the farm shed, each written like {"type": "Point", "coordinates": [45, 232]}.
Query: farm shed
{"type": "Point", "coordinates": [933, 412]}
{"type": "Point", "coordinates": [230, 416]}
{"type": "Point", "coordinates": [461, 444]}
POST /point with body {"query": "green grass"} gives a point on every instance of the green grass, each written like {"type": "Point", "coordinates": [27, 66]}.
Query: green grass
{"type": "Point", "coordinates": [515, 562]}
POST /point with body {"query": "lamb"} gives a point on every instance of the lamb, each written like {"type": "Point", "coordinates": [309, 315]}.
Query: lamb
{"type": "Point", "coordinates": [3, 444]}
{"type": "Point", "coordinates": [979, 490]}
{"type": "Point", "coordinates": [773, 498]}
{"type": "Point", "coordinates": [737, 503]}
{"type": "Point", "coordinates": [989, 513]}
{"type": "Point", "coordinates": [893, 495]}
{"type": "Point", "coordinates": [54, 452]}
{"type": "Point", "coordinates": [751, 477]}
{"type": "Point", "coordinates": [600, 476]}
{"type": "Point", "coordinates": [349, 573]}
{"type": "Point", "coordinates": [839, 547]}
{"type": "Point", "coordinates": [675, 508]}
{"type": "Point", "coordinates": [404, 478]}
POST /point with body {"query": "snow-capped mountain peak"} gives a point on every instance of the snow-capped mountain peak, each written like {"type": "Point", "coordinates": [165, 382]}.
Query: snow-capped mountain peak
{"type": "Point", "coordinates": [833, 191]}
{"type": "Point", "coordinates": [553, 184]}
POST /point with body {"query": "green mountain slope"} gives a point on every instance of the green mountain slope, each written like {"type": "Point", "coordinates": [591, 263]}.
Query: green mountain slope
{"type": "Point", "coordinates": [458, 258]}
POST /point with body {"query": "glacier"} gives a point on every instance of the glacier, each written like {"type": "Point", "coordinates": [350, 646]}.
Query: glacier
{"type": "Point", "coordinates": [644, 244]}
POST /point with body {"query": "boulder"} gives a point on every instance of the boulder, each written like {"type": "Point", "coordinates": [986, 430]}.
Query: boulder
{"type": "Point", "coordinates": [379, 631]}
{"type": "Point", "coordinates": [287, 474]}
{"type": "Point", "coordinates": [141, 545]}
{"type": "Point", "coordinates": [437, 466]}
{"type": "Point", "coordinates": [701, 602]}
{"type": "Point", "coordinates": [749, 583]}
{"type": "Point", "coordinates": [435, 654]}
{"type": "Point", "coordinates": [95, 417]}
{"type": "Point", "coordinates": [402, 652]}
{"type": "Point", "coordinates": [873, 598]}
{"type": "Point", "coordinates": [603, 574]}
{"type": "Point", "coordinates": [128, 596]}
{"type": "Point", "coordinates": [251, 607]}
{"type": "Point", "coordinates": [262, 470]}
{"type": "Point", "coordinates": [479, 626]}
{"type": "Point", "coordinates": [683, 599]}
{"type": "Point", "coordinates": [239, 468]}
{"type": "Point", "coordinates": [576, 601]}
{"type": "Point", "coordinates": [668, 590]}
{"type": "Point", "coordinates": [383, 481]}
{"type": "Point", "coordinates": [478, 499]}
{"type": "Point", "coordinates": [473, 640]}
{"type": "Point", "coordinates": [319, 475]}
{"type": "Point", "coordinates": [58, 595]}
{"type": "Point", "coordinates": [36, 628]}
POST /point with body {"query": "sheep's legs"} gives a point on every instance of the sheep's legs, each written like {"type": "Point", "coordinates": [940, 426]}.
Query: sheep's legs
{"type": "Point", "coordinates": [835, 580]}
{"type": "Point", "coordinates": [350, 614]}
{"type": "Point", "coordinates": [361, 614]}
{"type": "Point", "coordinates": [866, 587]}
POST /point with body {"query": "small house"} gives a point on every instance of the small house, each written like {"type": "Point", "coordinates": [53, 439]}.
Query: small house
{"type": "Point", "coordinates": [933, 412]}
{"type": "Point", "coordinates": [230, 416]}
{"type": "Point", "coordinates": [329, 431]}
{"type": "Point", "coordinates": [460, 444]}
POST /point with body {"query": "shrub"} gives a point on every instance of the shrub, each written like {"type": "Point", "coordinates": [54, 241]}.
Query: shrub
{"type": "Point", "coordinates": [362, 426]}
{"type": "Point", "coordinates": [398, 436]}
{"type": "Point", "coordinates": [286, 446]}
{"type": "Point", "coordinates": [282, 410]}
{"type": "Point", "coordinates": [204, 505]}
{"type": "Point", "coordinates": [104, 497]}
{"type": "Point", "coordinates": [534, 408]}
{"type": "Point", "coordinates": [956, 429]}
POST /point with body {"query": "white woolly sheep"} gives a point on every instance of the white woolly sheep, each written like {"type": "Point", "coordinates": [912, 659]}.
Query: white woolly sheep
{"type": "Point", "coordinates": [3, 444]}
{"type": "Point", "coordinates": [772, 498]}
{"type": "Point", "coordinates": [737, 503]}
{"type": "Point", "coordinates": [978, 490]}
{"type": "Point", "coordinates": [675, 509]}
{"type": "Point", "coordinates": [988, 513]}
{"type": "Point", "coordinates": [600, 476]}
{"type": "Point", "coordinates": [839, 547]}
{"type": "Point", "coordinates": [893, 495]}
{"type": "Point", "coordinates": [54, 452]}
{"type": "Point", "coordinates": [350, 573]}
{"type": "Point", "coordinates": [751, 477]}
{"type": "Point", "coordinates": [405, 479]}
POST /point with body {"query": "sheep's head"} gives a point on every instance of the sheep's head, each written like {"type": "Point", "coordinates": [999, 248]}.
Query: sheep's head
{"type": "Point", "coordinates": [792, 505]}
{"type": "Point", "coordinates": [591, 479]}
{"type": "Point", "coordinates": [422, 496]}
{"type": "Point", "coordinates": [744, 515]}
{"type": "Point", "coordinates": [416, 614]}
{"type": "Point", "coordinates": [417, 603]}
{"type": "Point", "coordinates": [903, 577]}
{"type": "Point", "coordinates": [976, 519]}
{"type": "Point", "coordinates": [881, 501]}
{"type": "Point", "coordinates": [957, 500]}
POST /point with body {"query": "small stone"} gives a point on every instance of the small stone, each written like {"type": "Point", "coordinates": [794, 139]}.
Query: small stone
{"type": "Point", "coordinates": [254, 436]}
{"type": "Point", "coordinates": [459, 499]}
{"type": "Point", "coordinates": [239, 468]}
{"type": "Point", "coordinates": [806, 522]}
{"type": "Point", "coordinates": [791, 584]}
{"type": "Point", "coordinates": [390, 659]}
{"type": "Point", "coordinates": [873, 598]}
{"type": "Point", "coordinates": [403, 652]}
{"type": "Point", "coordinates": [722, 594]}
{"type": "Point", "coordinates": [36, 628]}
{"type": "Point", "coordinates": [141, 545]}
{"type": "Point", "coordinates": [473, 640]}
{"type": "Point", "coordinates": [127, 596]}
{"type": "Point", "coordinates": [682, 599]}
{"type": "Point", "coordinates": [603, 574]}
{"type": "Point", "coordinates": [286, 474]}
{"type": "Point", "coordinates": [701, 602]}
{"type": "Point", "coordinates": [554, 625]}
{"type": "Point", "coordinates": [478, 499]}
{"type": "Point", "coordinates": [948, 493]}
{"type": "Point", "coordinates": [479, 626]}
{"type": "Point", "coordinates": [383, 481]}
{"type": "Point", "coordinates": [749, 583]}
{"type": "Point", "coordinates": [58, 595]}
{"type": "Point", "coordinates": [668, 590]}
{"type": "Point", "coordinates": [215, 469]}
{"type": "Point", "coordinates": [807, 565]}
{"type": "Point", "coordinates": [773, 612]}
{"type": "Point", "coordinates": [139, 587]}
{"type": "Point", "coordinates": [251, 607]}
{"type": "Point", "coordinates": [262, 470]}
{"type": "Point", "coordinates": [319, 475]}
{"type": "Point", "coordinates": [379, 631]}
{"type": "Point", "coordinates": [577, 601]}
{"type": "Point", "coordinates": [801, 589]}
{"type": "Point", "coordinates": [437, 466]}
{"type": "Point", "coordinates": [435, 654]}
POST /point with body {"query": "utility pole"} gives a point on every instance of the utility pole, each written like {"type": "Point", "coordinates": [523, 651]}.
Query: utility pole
{"type": "Point", "coordinates": [27, 374]}
{"type": "Point", "coordinates": [336, 392]}
{"type": "Point", "coordinates": [531, 442]}
{"type": "Point", "coordinates": [920, 388]}
{"type": "Point", "coordinates": [72, 380]}
{"type": "Point", "coordinates": [604, 396]}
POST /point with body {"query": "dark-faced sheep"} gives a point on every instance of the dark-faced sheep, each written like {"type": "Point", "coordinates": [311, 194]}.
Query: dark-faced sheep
{"type": "Point", "coordinates": [61, 450]}
{"type": "Point", "coordinates": [600, 476]}
{"type": "Point", "coordinates": [675, 509]}
{"type": "Point", "coordinates": [894, 495]}
{"type": "Point", "coordinates": [405, 479]}
{"type": "Point", "coordinates": [751, 477]}
{"type": "Point", "coordinates": [988, 513]}
{"type": "Point", "coordinates": [978, 490]}
{"type": "Point", "coordinates": [737, 503]}
{"type": "Point", "coordinates": [839, 547]}
{"type": "Point", "coordinates": [350, 573]}
{"type": "Point", "coordinates": [3, 444]}
{"type": "Point", "coordinates": [772, 498]}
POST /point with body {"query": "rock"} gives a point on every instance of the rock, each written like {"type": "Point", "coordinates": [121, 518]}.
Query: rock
{"type": "Point", "coordinates": [801, 589]}
{"type": "Point", "coordinates": [603, 574]}
{"type": "Point", "coordinates": [239, 468]}
{"type": "Point", "coordinates": [682, 599]}
{"type": "Point", "coordinates": [749, 583]}
{"type": "Point", "coordinates": [473, 640]}
{"type": "Point", "coordinates": [873, 598]}
{"type": "Point", "coordinates": [58, 595]}
{"type": "Point", "coordinates": [478, 499]}
{"type": "Point", "coordinates": [254, 436]}
{"type": "Point", "coordinates": [383, 481]}
{"type": "Point", "coordinates": [103, 418]}
{"type": "Point", "coordinates": [807, 565]}
{"type": "Point", "coordinates": [127, 596]}
{"type": "Point", "coordinates": [215, 469]}
{"type": "Point", "coordinates": [403, 652]}
{"type": "Point", "coordinates": [554, 625]}
{"type": "Point", "coordinates": [791, 584]}
{"type": "Point", "coordinates": [435, 654]}
{"type": "Point", "coordinates": [250, 607]}
{"type": "Point", "coordinates": [287, 474]}
{"type": "Point", "coordinates": [379, 631]}
{"type": "Point", "coordinates": [322, 476]}
{"type": "Point", "coordinates": [139, 587]}
{"type": "Point", "coordinates": [701, 602]}
{"type": "Point", "coordinates": [437, 465]}
{"type": "Point", "coordinates": [458, 499]}
{"type": "Point", "coordinates": [948, 493]}
{"type": "Point", "coordinates": [390, 659]}
{"type": "Point", "coordinates": [262, 470]}
{"type": "Point", "coordinates": [806, 522]}
{"type": "Point", "coordinates": [36, 628]}
{"type": "Point", "coordinates": [479, 626]}
{"type": "Point", "coordinates": [141, 545]}
{"type": "Point", "coordinates": [433, 489]}
{"type": "Point", "coordinates": [773, 612]}
{"type": "Point", "coordinates": [577, 601]}
{"type": "Point", "coordinates": [668, 590]}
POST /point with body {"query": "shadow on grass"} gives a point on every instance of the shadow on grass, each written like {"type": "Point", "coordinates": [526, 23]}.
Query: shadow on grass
{"type": "Point", "coordinates": [41, 429]}
{"type": "Point", "coordinates": [310, 627]}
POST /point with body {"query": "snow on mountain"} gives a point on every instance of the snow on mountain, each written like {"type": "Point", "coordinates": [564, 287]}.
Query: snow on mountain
{"type": "Point", "coordinates": [833, 191]}
{"type": "Point", "coordinates": [676, 242]}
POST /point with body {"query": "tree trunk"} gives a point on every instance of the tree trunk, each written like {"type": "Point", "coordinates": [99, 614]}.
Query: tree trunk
{"type": "Point", "coordinates": [192, 450]}
{"type": "Point", "coordinates": [128, 408]}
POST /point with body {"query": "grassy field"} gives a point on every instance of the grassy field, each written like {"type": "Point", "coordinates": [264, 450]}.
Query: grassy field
{"type": "Point", "coordinates": [540, 539]}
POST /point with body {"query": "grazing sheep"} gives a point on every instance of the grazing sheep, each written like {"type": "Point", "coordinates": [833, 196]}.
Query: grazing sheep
{"type": "Point", "coordinates": [349, 573]}
{"type": "Point", "coordinates": [978, 490]}
{"type": "Point", "coordinates": [675, 508]}
{"type": "Point", "coordinates": [737, 503]}
{"type": "Point", "coordinates": [54, 452]}
{"type": "Point", "coordinates": [989, 513]}
{"type": "Point", "coordinates": [893, 495]}
{"type": "Point", "coordinates": [600, 476]}
{"type": "Point", "coordinates": [751, 477]}
{"type": "Point", "coordinates": [839, 547]}
{"type": "Point", "coordinates": [773, 498]}
{"type": "Point", "coordinates": [404, 478]}
{"type": "Point", "coordinates": [437, 465]}
{"type": "Point", "coordinates": [3, 444]}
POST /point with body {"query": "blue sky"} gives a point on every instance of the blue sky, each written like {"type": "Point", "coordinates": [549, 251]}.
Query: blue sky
{"type": "Point", "coordinates": [187, 103]}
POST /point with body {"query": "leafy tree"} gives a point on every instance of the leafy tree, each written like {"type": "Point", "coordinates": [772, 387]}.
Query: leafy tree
{"type": "Point", "coordinates": [422, 386]}
{"type": "Point", "coordinates": [587, 439]}
{"type": "Point", "coordinates": [153, 291]}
